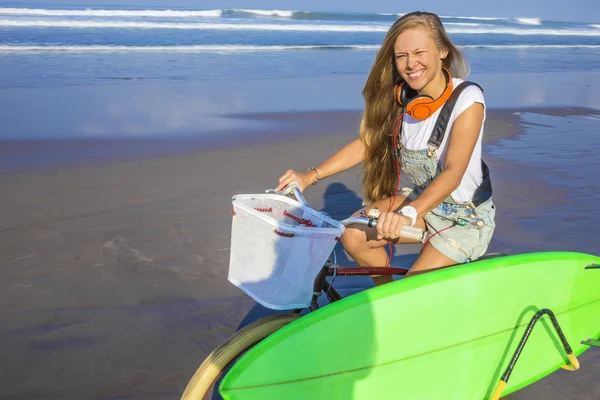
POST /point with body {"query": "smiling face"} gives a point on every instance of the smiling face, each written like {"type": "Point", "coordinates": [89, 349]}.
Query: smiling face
{"type": "Point", "coordinates": [419, 61]}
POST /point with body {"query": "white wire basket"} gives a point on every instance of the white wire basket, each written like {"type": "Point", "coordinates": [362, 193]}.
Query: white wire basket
{"type": "Point", "coordinates": [278, 246]}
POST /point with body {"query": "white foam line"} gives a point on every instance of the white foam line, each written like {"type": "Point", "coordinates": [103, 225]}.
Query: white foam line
{"type": "Point", "coordinates": [529, 21]}
{"type": "Point", "coordinates": [193, 48]}
{"type": "Point", "coordinates": [186, 25]}
{"type": "Point", "coordinates": [531, 46]}
{"type": "Point", "coordinates": [248, 48]}
{"type": "Point", "coordinates": [476, 18]}
{"type": "Point", "coordinates": [446, 24]}
{"type": "Point", "coordinates": [526, 31]}
{"type": "Point", "coordinates": [268, 13]}
{"type": "Point", "coordinates": [279, 27]}
{"type": "Point", "coordinates": [111, 13]}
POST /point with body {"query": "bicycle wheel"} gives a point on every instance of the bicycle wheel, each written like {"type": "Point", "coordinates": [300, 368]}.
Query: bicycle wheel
{"type": "Point", "coordinates": [222, 357]}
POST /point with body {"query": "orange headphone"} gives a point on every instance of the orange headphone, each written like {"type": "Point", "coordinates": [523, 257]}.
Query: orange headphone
{"type": "Point", "coordinates": [421, 106]}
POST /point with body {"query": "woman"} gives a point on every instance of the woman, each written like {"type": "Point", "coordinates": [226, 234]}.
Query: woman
{"type": "Point", "coordinates": [415, 66]}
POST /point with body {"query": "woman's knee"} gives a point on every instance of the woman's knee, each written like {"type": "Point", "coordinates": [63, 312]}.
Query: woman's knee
{"type": "Point", "coordinates": [354, 240]}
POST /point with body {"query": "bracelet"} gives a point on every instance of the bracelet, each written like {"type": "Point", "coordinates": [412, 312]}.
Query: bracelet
{"type": "Point", "coordinates": [317, 175]}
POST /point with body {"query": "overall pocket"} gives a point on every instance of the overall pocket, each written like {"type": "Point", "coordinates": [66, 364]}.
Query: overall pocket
{"type": "Point", "coordinates": [421, 172]}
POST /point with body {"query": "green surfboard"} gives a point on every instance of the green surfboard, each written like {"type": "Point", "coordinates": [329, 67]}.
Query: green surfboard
{"type": "Point", "coordinates": [446, 334]}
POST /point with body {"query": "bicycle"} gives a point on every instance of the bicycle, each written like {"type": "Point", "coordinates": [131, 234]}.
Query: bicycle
{"type": "Point", "coordinates": [201, 384]}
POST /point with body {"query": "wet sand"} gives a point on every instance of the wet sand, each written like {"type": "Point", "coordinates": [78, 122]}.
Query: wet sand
{"type": "Point", "coordinates": [113, 273]}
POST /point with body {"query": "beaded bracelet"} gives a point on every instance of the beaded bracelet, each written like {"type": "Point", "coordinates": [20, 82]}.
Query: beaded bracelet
{"type": "Point", "coordinates": [317, 175]}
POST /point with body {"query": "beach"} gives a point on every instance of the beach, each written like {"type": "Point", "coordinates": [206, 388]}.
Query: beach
{"type": "Point", "coordinates": [114, 275]}
{"type": "Point", "coordinates": [126, 132]}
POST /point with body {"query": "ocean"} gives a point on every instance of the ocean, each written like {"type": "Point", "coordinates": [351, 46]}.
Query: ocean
{"type": "Point", "coordinates": [84, 71]}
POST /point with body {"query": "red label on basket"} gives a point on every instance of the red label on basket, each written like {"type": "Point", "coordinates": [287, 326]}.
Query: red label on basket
{"type": "Point", "coordinates": [306, 222]}
{"type": "Point", "coordinates": [289, 235]}
{"type": "Point", "coordinates": [263, 209]}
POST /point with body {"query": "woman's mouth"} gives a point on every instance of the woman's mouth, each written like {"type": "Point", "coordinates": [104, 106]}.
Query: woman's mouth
{"type": "Point", "coordinates": [416, 75]}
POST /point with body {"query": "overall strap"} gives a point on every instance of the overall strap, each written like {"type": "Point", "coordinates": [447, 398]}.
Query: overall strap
{"type": "Point", "coordinates": [483, 191]}
{"type": "Point", "coordinates": [439, 130]}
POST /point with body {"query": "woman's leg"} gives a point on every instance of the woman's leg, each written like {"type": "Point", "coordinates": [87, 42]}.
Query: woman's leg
{"type": "Point", "coordinates": [430, 259]}
{"type": "Point", "coordinates": [363, 246]}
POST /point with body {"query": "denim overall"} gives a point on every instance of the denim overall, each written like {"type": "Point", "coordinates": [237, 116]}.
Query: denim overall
{"type": "Point", "coordinates": [472, 223]}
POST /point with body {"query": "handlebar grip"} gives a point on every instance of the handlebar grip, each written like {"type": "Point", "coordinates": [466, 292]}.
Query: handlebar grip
{"type": "Point", "coordinates": [408, 232]}
{"type": "Point", "coordinates": [414, 233]}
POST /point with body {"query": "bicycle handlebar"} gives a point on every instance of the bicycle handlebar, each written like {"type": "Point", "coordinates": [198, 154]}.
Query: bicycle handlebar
{"type": "Point", "coordinates": [408, 232]}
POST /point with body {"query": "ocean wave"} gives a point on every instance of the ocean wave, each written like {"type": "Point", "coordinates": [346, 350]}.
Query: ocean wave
{"type": "Point", "coordinates": [229, 13]}
{"type": "Point", "coordinates": [331, 16]}
{"type": "Point", "coordinates": [472, 24]}
{"type": "Point", "coordinates": [191, 48]}
{"type": "Point", "coordinates": [146, 13]}
{"type": "Point", "coordinates": [526, 31]}
{"type": "Point", "coordinates": [268, 13]}
{"type": "Point", "coordinates": [189, 25]}
{"type": "Point", "coordinates": [280, 27]}
{"type": "Point", "coordinates": [244, 48]}
{"type": "Point", "coordinates": [595, 26]}
{"type": "Point", "coordinates": [530, 46]}
{"type": "Point", "coordinates": [475, 18]}
{"type": "Point", "coordinates": [529, 21]}
{"type": "Point", "coordinates": [110, 13]}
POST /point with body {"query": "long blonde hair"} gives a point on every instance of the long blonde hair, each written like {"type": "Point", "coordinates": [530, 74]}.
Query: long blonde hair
{"type": "Point", "coordinates": [382, 111]}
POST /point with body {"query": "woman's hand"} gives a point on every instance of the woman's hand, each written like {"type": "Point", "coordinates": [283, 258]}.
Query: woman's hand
{"type": "Point", "coordinates": [390, 224]}
{"type": "Point", "coordinates": [303, 180]}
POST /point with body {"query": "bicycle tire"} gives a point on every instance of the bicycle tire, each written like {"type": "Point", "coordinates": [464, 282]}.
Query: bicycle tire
{"type": "Point", "coordinates": [222, 357]}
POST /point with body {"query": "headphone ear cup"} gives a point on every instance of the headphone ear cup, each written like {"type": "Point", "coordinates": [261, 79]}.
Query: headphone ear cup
{"type": "Point", "coordinates": [401, 95]}
{"type": "Point", "coordinates": [398, 93]}
{"type": "Point", "coordinates": [406, 94]}
{"type": "Point", "coordinates": [420, 108]}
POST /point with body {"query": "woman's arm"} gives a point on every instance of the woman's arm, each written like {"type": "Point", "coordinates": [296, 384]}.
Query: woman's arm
{"type": "Point", "coordinates": [347, 157]}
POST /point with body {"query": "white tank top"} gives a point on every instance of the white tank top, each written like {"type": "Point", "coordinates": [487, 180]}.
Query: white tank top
{"type": "Point", "coordinates": [415, 135]}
